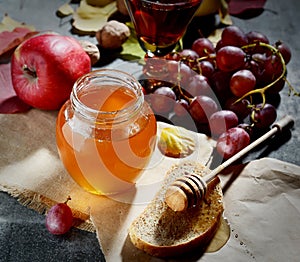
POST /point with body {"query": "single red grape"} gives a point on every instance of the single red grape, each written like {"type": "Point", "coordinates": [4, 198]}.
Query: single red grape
{"type": "Point", "coordinates": [256, 65]}
{"type": "Point", "coordinates": [259, 58]}
{"type": "Point", "coordinates": [220, 84]}
{"type": "Point", "coordinates": [232, 141]}
{"type": "Point", "coordinates": [264, 116]}
{"type": "Point", "coordinates": [181, 107]}
{"type": "Point", "coordinates": [272, 69]}
{"type": "Point", "coordinates": [206, 68]}
{"type": "Point", "coordinates": [178, 72]}
{"type": "Point", "coordinates": [221, 121]}
{"type": "Point", "coordinates": [277, 87]}
{"type": "Point", "coordinates": [201, 108]}
{"type": "Point", "coordinates": [230, 58]}
{"type": "Point", "coordinates": [219, 45]}
{"type": "Point", "coordinates": [242, 82]}
{"type": "Point", "coordinates": [188, 54]}
{"type": "Point", "coordinates": [189, 57]}
{"type": "Point", "coordinates": [285, 51]}
{"type": "Point", "coordinates": [234, 36]}
{"type": "Point", "coordinates": [241, 108]}
{"type": "Point", "coordinates": [163, 99]}
{"type": "Point", "coordinates": [255, 37]}
{"type": "Point", "coordinates": [203, 47]}
{"type": "Point", "coordinates": [199, 85]}
{"type": "Point", "coordinates": [59, 219]}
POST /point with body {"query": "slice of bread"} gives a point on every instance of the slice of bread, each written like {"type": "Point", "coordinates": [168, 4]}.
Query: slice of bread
{"type": "Point", "coordinates": [161, 232]}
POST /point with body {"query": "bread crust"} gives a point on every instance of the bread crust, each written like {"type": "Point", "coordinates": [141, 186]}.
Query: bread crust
{"type": "Point", "coordinates": [161, 232]}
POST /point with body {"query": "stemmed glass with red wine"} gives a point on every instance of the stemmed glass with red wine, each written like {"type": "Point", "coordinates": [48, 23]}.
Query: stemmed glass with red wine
{"type": "Point", "coordinates": [160, 24]}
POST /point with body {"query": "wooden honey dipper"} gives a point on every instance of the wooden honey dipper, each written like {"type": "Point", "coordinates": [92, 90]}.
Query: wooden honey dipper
{"type": "Point", "coordinates": [188, 190]}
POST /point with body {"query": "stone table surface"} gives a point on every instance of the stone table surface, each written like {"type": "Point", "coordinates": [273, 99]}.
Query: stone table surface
{"type": "Point", "coordinates": [23, 236]}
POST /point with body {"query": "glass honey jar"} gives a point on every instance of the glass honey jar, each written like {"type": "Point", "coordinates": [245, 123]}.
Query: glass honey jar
{"type": "Point", "coordinates": [106, 132]}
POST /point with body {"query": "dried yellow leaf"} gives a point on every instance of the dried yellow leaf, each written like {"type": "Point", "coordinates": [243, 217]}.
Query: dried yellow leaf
{"type": "Point", "coordinates": [88, 25]}
{"type": "Point", "coordinates": [88, 12]}
{"type": "Point", "coordinates": [215, 36]}
{"type": "Point", "coordinates": [89, 19]}
{"type": "Point", "coordinates": [208, 7]}
{"type": "Point", "coordinates": [220, 7]}
{"type": "Point", "coordinates": [65, 10]}
{"type": "Point", "coordinates": [176, 142]}
{"type": "Point", "coordinates": [9, 24]}
{"type": "Point", "coordinates": [224, 15]}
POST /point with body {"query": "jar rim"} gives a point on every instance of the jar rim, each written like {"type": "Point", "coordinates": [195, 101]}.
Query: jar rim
{"type": "Point", "coordinates": [110, 76]}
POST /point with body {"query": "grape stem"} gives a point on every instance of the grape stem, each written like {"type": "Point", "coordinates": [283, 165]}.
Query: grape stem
{"type": "Point", "coordinates": [260, 91]}
{"type": "Point", "coordinates": [282, 76]}
{"type": "Point", "coordinates": [291, 88]}
{"type": "Point", "coordinates": [68, 199]}
{"type": "Point", "coordinates": [179, 86]}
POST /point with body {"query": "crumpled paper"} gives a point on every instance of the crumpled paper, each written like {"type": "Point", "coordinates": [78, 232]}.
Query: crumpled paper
{"type": "Point", "coordinates": [261, 198]}
{"type": "Point", "coordinates": [262, 209]}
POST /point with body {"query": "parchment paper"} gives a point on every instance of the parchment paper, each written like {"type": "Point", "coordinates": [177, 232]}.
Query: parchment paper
{"type": "Point", "coordinates": [262, 207]}
{"type": "Point", "coordinates": [261, 199]}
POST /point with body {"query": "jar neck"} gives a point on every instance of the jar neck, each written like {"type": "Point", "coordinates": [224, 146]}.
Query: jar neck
{"type": "Point", "coordinates": [96, 80]}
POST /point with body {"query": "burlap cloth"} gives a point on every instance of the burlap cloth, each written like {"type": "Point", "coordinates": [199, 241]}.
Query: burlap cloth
{"type": "Point", "coordinates": [262, 205]}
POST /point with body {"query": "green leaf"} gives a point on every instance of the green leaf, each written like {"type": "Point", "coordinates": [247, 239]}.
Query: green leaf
{"type": "Point", "coordinates": [131, 49]}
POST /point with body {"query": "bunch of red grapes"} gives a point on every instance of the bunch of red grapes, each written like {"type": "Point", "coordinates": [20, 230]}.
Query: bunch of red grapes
{"type": "Point", "coordinates": [222, 88]}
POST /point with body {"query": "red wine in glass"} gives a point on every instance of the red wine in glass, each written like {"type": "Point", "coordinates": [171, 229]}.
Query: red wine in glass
{"type": "Point", "coordinates": [160, 24]}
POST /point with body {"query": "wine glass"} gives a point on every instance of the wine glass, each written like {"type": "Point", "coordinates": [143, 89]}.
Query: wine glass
{"type": "Point", "coordinates": [160, 24]}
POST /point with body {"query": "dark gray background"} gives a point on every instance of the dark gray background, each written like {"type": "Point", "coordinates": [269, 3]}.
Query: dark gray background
{"type": "Point", "coordinates": [23, 236]}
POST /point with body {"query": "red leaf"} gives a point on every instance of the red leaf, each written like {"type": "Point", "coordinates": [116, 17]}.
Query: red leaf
{"type": "Point", "coordinates": [246, 8]}
{"type": "Point", "coordinates": [9, 40]}
{"type": "Point", "coordinates": [13, 105]}
{"type": "Point", "coordinates": [9, 102]}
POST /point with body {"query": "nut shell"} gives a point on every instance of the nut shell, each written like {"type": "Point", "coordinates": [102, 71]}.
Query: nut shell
{"type": "Point", "coordinates": [112, 35]}
{"type": "Point", "coordinates": [92, 50]}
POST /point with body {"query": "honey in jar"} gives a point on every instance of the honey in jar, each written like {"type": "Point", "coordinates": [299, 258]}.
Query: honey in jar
{"type": "Point", "coordinates": [106, 132]}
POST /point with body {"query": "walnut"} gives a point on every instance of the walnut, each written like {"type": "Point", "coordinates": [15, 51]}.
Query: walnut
{"type": "Point", "coordinates": [91, 49]}
{"type": "Point", "coordinates": [113, 34]}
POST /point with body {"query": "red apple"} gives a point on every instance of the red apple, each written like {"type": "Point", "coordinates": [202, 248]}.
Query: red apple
{"type": "Point", "coordinates": [45, 67]}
